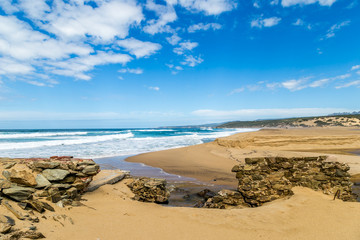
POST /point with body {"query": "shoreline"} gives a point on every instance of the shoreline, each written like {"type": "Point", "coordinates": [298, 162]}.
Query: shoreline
{"type": "Point", "coordinates": [213, 161]}
{"type": "Point", "coordinates": [308, 214]}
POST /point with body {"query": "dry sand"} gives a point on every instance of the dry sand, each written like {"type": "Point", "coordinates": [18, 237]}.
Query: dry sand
{"type": "Point", "coordinates": [111, 214]}
{"type": "Point", "coordinates": [306, 215]}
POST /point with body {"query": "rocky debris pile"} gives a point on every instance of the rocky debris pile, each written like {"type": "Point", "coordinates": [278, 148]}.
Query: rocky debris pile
{"type": "Point", "coordinates": [8, 230]}
{"type": "Point", "coordinates": [268, 178]}
{"type": "Point", "coordinates": [224, 199]}
{"type": "Point", "coordinates": [33, 182]}
{"type": "Point", "coordinates": [149, 190]}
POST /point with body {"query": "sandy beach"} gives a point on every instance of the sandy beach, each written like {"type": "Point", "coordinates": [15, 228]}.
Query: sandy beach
{"type": "Point", "coordinates": [110, 213]}
{"type": "Point", "coordinates": [213, 161]}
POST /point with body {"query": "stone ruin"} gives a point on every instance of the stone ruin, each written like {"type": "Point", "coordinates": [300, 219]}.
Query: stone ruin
{"type": "Point", "coordinates": [149, 189]}
{"type": "Point", "coordinates": [266, 179]}
{"type": "Point", "coordinates": [35, 181]}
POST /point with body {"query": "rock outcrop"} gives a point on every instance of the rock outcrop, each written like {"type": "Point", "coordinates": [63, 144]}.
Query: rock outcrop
{"type": "Point", "coordinates": [56, 179]}
{"type": "Point", "coordinates": [266, 179]}
{"type": "Point", "coordinates": [31, 182]}
{"type": "Point", "coordinates": [150, 190]}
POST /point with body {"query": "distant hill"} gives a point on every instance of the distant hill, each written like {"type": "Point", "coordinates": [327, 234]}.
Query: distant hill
{"type": "Point", "coordinates": [345, 113]}
{"type": "Point", "coordinates": [347, 120]}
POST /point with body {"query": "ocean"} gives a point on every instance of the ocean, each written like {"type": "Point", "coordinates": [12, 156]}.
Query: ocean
{"type": "Point", "coordinates": [102, 143]}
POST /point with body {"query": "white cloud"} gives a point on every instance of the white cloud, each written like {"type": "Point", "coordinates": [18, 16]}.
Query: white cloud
{"type": "Point", "coordinates": [76, 67]}
{"type": "Point", "coordinates": [9, 66]}
{"type": "Point", "coordinates": [29, 51]}
{"type": "Point", "coordinates": [256, 5]}
{"type": "Point", "coordinates": [237, 90]}
{"type": "Point", "coordinates": [185, 46]}
{"type": "Point", "coordinates": [34, 9]}
{"type": "Point", "coordinates": [322, 82]}
{"type": "Point", "coordinates": [131, 70]}
{"type": "Point", "coordinates": [209, 7]}
{"type": "Point", "coordinates": [19, 41]}
{"type": "Point", "coordinates": [8, 7]}
{"type": "Point", "coordinates": [154, 88]}
{"type": "Point", "coordinates": [265, 113]}
{"type": "Point", "coordinates": [343, 76]}
{"type": "Point", "coordinates": [166, 14]}
{"type": "Point", "coordinates": [295, 85]}
{"type": "Point", "coordinates": [36, 83]}
{"type": "Point", "coordinates": [336, 27]}
{"type": "Point", "coordinates": [319, 83]}
{"type": "Point", "coordinates": [273, 86]}
{"type": "Point", "coordinates": [42, 38]}
{"type": "Point", "coordinates": [192, 61]}
{"type": "Point", "coordinates": [300, 22]}
{"type": "Point", "coordinates": [274, 2]}
{"type": "Point", "coordinates": [174, 39]}
{"type": "Point", "coordinates": [204, 27]}
{"type": "Point", "coordinates": [350, 84]}
{"type": "Point", "coordinates": [302, 83]}
{"type": "Point", "coordinates": [77, 20]}
{"type": "Point", "coordinates": [355, 67]}
{"type": "Point", "coordinates": [139, 48]}
{"type": "Point", "coordinates": [266, 22]}
{"type": "Point", "coordinates": [288, 3]}
{"type": "Point", "coordinates": [174, 69]}
{"type": "Point", "coordinates": [178, 68]}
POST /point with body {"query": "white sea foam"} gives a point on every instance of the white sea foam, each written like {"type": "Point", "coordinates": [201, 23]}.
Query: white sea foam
{"type": "Point", "coordinates": [154, 130]}
{"type": "Point", "coordinates": [109, 145]}
{"type": "Point", "coordinates": [38, 134]}
{"type": "Point", "coordinates": [76, 141]}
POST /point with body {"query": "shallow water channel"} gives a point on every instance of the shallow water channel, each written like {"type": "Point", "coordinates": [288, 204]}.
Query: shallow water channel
{"type": "Point", "coordinates": [183, 189]}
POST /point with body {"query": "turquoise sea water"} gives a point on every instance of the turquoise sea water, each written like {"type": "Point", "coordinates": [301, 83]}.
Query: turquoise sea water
{"type": "Point", "coordinates": [99, 143]}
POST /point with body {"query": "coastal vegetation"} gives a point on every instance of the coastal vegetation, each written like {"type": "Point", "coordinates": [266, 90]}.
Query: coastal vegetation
{"type": "Point", "coordinates": [348, 120]}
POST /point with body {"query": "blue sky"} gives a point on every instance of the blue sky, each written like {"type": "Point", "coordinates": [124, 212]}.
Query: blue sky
{"type": "Point", "coordinates": [127, 63]}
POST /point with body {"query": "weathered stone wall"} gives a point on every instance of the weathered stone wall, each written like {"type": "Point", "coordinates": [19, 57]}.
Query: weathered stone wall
{"type": "Point", "coordinates": [268, 178]}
